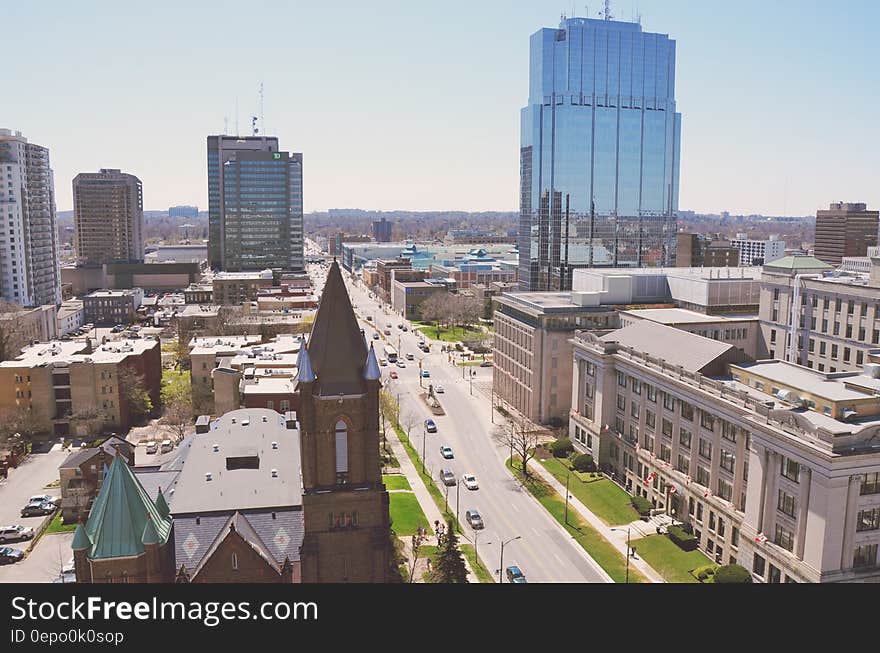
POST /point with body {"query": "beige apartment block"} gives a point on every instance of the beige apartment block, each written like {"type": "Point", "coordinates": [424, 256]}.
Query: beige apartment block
{"type": "Point", "coordinates": [775, 466]}
{"type": "Point", "coordinates": [108, 209]}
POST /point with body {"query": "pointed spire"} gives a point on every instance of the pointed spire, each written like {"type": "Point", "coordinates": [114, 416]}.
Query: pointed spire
{"type": "Point", "coordinates": [81, 539]}
{"type": "Point", "coordinates": [336, 347]}
{"type": "Point", "coordinates": [162, 505]}
{"type": "Point", "coordinates": [371, 370]}
{"type": "Point", "coordinates": [305, 373]}
{"type": "Point", "coordinates": [150, 536]}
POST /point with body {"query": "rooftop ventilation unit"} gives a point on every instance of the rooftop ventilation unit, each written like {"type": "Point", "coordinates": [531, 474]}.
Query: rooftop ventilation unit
{"type": "Point", "coordinates": [245, 422]}
{"type": "Point", "coordinates": [208, 476]}
{"type": "Point", "coordinates": [274, 473]}
{"type": "Point", "coordinates": [216, 448]}
{"type": "Point", "coordinates": [274, 445]}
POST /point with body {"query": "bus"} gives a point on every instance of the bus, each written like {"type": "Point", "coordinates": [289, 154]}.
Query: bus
{"type": "Point", "coordinates": [390, 354]}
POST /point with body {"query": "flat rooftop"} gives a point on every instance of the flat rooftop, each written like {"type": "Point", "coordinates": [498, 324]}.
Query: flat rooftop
{"type": "Point", "coordinates": [548, 302]}
{"type": "Point", "coordinates": [707, 273]}
{"type": "Point", "coordinates": [221, 344]}
{"type": "Point", "coordinates": [267, 385]}
{"type": "Point", "coordinates": [239, 455]}
{"type": "Point", "coordinates": [828, 386]}
{"type": "Point", "coordinates": [74, 351]}
{"type": "Point", "coordinates": [680, 316]}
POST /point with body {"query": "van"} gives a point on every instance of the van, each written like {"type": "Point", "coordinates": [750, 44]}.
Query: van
{"type": "Point", "coordinates": [166, 446]}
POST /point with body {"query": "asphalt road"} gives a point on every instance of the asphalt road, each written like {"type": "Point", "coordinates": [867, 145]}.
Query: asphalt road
{"type": "Point", "coordinates": [544, 552]}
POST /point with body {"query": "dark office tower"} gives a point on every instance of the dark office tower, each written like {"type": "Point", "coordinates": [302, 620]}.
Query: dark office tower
{"type": "Point", "coordinates": [382, 231]}
{"type": "Point", "coordinates": [255, 208]}
{"type": "Point", "coordinates": [845, 229]}
{"type": "Point", "coordinates": [599, 157]}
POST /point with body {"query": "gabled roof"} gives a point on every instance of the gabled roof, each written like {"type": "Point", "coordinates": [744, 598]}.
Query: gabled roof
{"type": "Point", "coordinates": [118, 519]}
{"type": "Point", "coordinates": [238, 523]}
{"type": "Point", "coordinates": [798, 263]}
{"type": "Point", "coordinates": [693, 352]}
{"type": "Point", "coordinates": [336, 346]}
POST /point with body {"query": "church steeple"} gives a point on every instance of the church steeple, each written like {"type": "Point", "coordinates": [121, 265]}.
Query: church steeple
{"type": "Point", "coordinates": [336, 348]}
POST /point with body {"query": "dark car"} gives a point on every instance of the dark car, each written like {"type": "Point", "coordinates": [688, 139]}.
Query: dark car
{"type": "Point", "coordinates": [430, 426]}
{"type": "Point", "coordinates": [375, 336]}
{"type": "Point", "coordinates": [486, 364]}
{"type": "Point", "coordinates": [447, 477]}
{"type": "Point", "coordinates": [8, 555]}
{"type": "Point", "coordinates": [515, 575]}
{"type": "Point", "coordinates": [38, 508]}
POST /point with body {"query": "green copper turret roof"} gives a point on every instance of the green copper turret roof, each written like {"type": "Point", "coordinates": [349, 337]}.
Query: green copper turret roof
{"type": "Point", "coordinates": [798, 263]}
{"type": "Point", "coordinates": [80, 539]}
{"type": "Point", "coordinates": [162, 505]}
{"type": "Point", "coordinates": [150, 535]}
{"type": "Point", "coordinates": [118, 520]}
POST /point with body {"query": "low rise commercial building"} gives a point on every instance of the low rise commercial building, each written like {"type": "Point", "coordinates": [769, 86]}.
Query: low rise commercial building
{"type": "Point", "coordinates": [22, 327]}
{"type": "Point", "coordinates": [407, 296]}
{"type": "Point", "coordinates": [772, 465]}
{"type": "Point", "coordinates": [71, 316]}
{"type": "Point", "coordinates": [233, 288]}
{"type": "Point", "coordinates": [157, 277]}
{"type": "Point", "coordinates": [108, 307]}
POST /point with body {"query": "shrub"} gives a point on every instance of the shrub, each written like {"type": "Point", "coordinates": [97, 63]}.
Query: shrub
{"type": "Point", "coordinates": [732, 574]}
{"type": "Point", "coordinates": [642, 505]}
{"type": "Point", "coordinates": [584, 463]}
{"type": "Point", "coordinates": [685, 541]}
{"type": "Point", "coordinates": [705, 572]}
{"type": "Point", "coordinates": [561, 448]}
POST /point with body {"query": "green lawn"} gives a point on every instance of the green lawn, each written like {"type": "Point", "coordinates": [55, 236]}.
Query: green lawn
{"type": "Point", "coordinates": [406, 514]}
{"type": "Point", "coordinates": [451, 335]}
{"type": "Point", "coordinates": [604, 498]}
{"type": "Point", "coordinates": [169, 376]}
{"type": "Point", "coordinates": [55, 526]}
{"type": "Point", "coordinates": [396, 482]}
{"type": "Point", "coordinates": [668, 559]}
{"type": "Point", "coordinates": [609, 558]}
{"type": "Point", "coordinates": [482, 573]}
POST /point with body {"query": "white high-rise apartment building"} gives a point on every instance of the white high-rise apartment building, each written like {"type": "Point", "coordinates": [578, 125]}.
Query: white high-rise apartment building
{"type": "Point", "coordinates": [758, 252]}
{"type": "Point", "coordinates": [29, 271]}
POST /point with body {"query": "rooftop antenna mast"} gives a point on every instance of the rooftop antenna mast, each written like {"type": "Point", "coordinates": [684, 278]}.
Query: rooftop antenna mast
{"type": "Point", "coordinates": [262, 114]}
{"type": "Point", "coordinates": [608, 15]}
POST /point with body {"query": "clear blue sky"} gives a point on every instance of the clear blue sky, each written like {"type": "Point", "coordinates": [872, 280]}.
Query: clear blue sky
{"type": "Point", "coordinates": [410, 105]}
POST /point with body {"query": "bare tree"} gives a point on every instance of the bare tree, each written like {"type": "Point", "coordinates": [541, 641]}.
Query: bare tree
{"type": "Point", "coordinates": [177, 404]}
{"type": "Point", "coordinates": [388, 408]}
{"type": "Point", "coordinates": [416, 544]}
{"type": "Point", "coordinates": [521, 438]}
{"type": "Point", "coordinates": [88, 422]}
{"type": "Point", "coordinates": [13, 330]}
{"type": "Point", "coordinates": [133, 391]}
{"type": "Point", "coordinates": [23, 423]}
{"type": "Point", "coordinates": [431, 309]}
{"type": "Point", "coordinates": [408, 421]}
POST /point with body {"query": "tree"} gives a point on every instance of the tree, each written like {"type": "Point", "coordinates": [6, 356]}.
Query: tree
{"type": "Point", "coordinates": [23, 423]}
{"type": "Point", "coordinates": [431, 309]}
{"type": "Point", "coordinates": [177, 404]}
{"type": "Point", "coordinates": [88, 422]}
{"type": "Point", "coordinates": [133, 391]}
{"type": "Point", "coordinates": [416, 544]}
{"type": "Point", "coordinates": [388, 408]}
{"type": "Point", "coordinates": [518, 435]}
{"type": "Point", "coordinates": [13, 330]}
{"type": "Point", "coordinates": [409, 420]}
{"type": "Point", "coordinates": [449, 566]}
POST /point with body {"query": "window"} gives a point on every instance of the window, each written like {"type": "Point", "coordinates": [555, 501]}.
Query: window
{"type": "Point", "coordinates": [649, 419]}
{"type": "Point", "coordinates": [850, 305]}
{"type": "Point", "coordinates": [666, 427]}
{"type": "Point", "coordinates": [684, 465]}
{"type": "Point", "coordinates": [836, 330]}
{"type": "Point", "coordinates": [734, 536]}
{"type": "Point", "coordinates": [868, 520]}
{"type": "Point", "coordinates": [707, 420]}
{"type": "Point", "coordinates": [691, 505]}
{"type": "Point", "coordinates": [684, 438]}
{"type": "Point", "coordinates": [865, 555]}
{"type": "Point", "coordinates": [822, 347]}
{"type": "Point", "coordinates": [621, 379]}
{"type": "Point", "coordinates": [728, 431]}
{"type": "Point", "coordinates": [621, 402]}
{"type": "Point", "coordinates": [636, 387]}
{"type": "Point", "coordinates": [759, 566]}
{"type": "Point", "coordinates": [665, 453]}
{"type": "Point", "coordinates": [775, 575]}
{"type": "Point", "coordinates": [725, 489]}
{"type": "Point", "coordinates": [787, 503]}
{"type": "Point", "coordinates": [772, 336]}
{"type": "Point", "coordinates": [846, 354]}
{"type": "Point", "coordinates": [711, 521]}
{"type": "Point", "coordinates": [687, 411]}
{"type": "Point", "coordinates": [784, 538]}
{"type": "Point", "coordinates": [705, 449]}
{"type": "Point", "coordinates": [833, 351]}
{"type": "Point", "coordinates": [720, 527]}
{"type": "Point", "coordinates": [234, 562]}
{"type": "Point", "coordinates": [849, 331]}
{"type": "Point", "coordinates": [870, 484]}
{"type": "Point", "coordinates": [728, 461]}
{"type": "Point", "coordinates": [702, 476]}
{"type": "Point", "coordinates": [668, 401]}
{"type": "Point", "coordinates": [341, 452]}
{"type": "Point", "coordinates": [824, 326]}
{"type": "Point", "coordinates": [790, 469]}
{"type": "Point", "coordinates": [652, 393]}
{"type": "Point", "coordinates": [634, 409]}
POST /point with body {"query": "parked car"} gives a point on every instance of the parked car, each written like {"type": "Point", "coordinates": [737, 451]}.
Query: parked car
{"type": "Point", "coordinates": [393, 374]}
{"type": "Point", "coordinates": [470, 482]}
{"type": "Point", "coordinates": [430, 425]}
{"type": "Point", "coordinates": [410, 357]}
{"type": "Point", "coordinates": [473, 518]}
{"type": "Point", "coordinates": [117, 329]}
{"type": "Point", "coordinates": [45, 497]}
{"type": "Point", "coordinates": [166, 446]}
{"type": "Point", "coordinates": [15, 532]}
{"type": "Point", "coordinates": [400, 326]}
{"type": "Point", "coordinates": [439, 389]}
{"type": "Point", "coordinates": [8, 555]}
{"type": "Point", "coordinates": [514, 575]}
{"type": "Point", "coordinates": [446, 452]}
{"type": "Point", "coordinates": [426, 374]}
{"type": "Point", "coordinates": [369, 318]}
{"type": "Point", "coordinates": [38, 508]}
{"type": "Point", "coordinates": [383, 362]}
{"type": "Point", "coordinates": [405, 328]}
{"type": "Point", "coordinates": [375, 336]}
{"type": "Point", "coordinates": [152, 447]}
{"type": "Point", "coordinates": [486, 364]}
{"type": "Point", "coordinates": [401, 364]}
{"type": "Point", "coordinates": [447, 477]}
{"type": "Point", "coordinates": [387, 332]}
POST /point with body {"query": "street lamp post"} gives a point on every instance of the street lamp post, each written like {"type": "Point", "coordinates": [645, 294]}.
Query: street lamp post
{"type": "Point", "coordinates": [457, 488]}
{"type": "Point", "coordinates": [501, 563]}
{"type": "Point", "coordinates": [628, 551]}
{"type": "Point", "coordinates": [424, 434]}
{"type": "Point", "coordinates": [472, 382]}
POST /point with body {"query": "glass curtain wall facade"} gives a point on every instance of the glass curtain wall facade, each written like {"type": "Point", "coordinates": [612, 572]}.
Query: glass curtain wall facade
{"type": "Point", "coordinates": [255, 204]}
{"type": "Point", "coordinates": [599, 157]}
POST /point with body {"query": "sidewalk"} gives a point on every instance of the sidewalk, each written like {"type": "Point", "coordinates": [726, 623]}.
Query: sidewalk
{"type": "Point", "coordinates": [616, 536]}
{"type": "Point", "coordinates": [424, 498]}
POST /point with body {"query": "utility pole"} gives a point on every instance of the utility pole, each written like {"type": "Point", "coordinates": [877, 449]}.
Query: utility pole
{"type": "Point", "coordinates": [501, 563]}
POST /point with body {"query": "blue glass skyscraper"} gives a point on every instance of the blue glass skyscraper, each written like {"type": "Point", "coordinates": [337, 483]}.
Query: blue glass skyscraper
{"type": "Point", "coordinates": [599, 157]}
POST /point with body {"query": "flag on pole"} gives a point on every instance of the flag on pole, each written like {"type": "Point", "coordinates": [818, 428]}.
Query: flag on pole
{"type": "Point", "coordinates": [761, 538]}
{"type": "Point", "coordinates": [671, 489]}
{"type": "Point", "coordinates": [650, 478]}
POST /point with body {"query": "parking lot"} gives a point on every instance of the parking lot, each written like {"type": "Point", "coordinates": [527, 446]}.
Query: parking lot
{"type": "Point", "coordinates": [43, 563]}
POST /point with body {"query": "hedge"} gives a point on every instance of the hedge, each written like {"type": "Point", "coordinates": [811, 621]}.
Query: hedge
{"type": "Point", "coordinates": [732, 574]}
{"type": "Point", "coordinates": [642, 505]}
{"type": "Point", "coordinates": [704, 572]}
{"type": "Point", "coordinates": [561, 448]}
{"type": "Point", "coordinates": [684, 541]}
{"type": "Point", "coordinates": [584, 463]}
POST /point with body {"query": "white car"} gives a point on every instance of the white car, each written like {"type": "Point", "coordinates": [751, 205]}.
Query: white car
{"type": "Point", "coordinates": [15, 532]}
{"type": "Point", "coordinates": [439, 389]}
{"type": "Point", "coordinates": [152, 447]}
{"type": "Point", "coordinates": [45, 498]}
{"type": "Point", "coordinates": [401, 364]}
{"type": "Point", "coordinates": [470, 482]}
